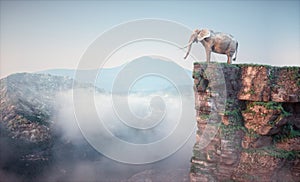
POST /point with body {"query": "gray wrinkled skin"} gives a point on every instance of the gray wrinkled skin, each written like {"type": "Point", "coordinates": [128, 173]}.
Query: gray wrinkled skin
{"type": "Point", "coordinates": [217, 42]}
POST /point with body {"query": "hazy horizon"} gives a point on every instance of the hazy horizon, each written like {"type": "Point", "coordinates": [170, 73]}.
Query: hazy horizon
{"type": "Point", "coordinates": [45, 35]}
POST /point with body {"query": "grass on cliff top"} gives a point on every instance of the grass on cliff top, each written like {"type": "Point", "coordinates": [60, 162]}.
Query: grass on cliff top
{"type": "Point", "coordinates": [291, 68]}
{"type": "Point", "coordinates": [219, 63]}
{"type": "Point", "coordinates": [236, 65]}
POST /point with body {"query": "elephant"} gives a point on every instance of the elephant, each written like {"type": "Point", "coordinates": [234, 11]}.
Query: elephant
{"type": "Point", "coordinates": [217, 42]}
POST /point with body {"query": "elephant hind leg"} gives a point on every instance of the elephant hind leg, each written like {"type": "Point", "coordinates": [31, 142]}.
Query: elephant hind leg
{"type": "Point", "coordinates": [235, 52]}
{"type": "Point", "coordinates": [231, 56]}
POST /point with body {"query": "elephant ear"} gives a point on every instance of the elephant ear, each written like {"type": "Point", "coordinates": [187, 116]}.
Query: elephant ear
{"type": "Point", "coordinates": [205, 33]}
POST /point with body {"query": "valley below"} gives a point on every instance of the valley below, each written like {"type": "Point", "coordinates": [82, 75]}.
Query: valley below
{"type": "Point", "coordinates": [40, 139]}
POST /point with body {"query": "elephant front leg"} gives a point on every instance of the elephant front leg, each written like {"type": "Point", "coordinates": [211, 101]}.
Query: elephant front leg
{"type": "Point", "coordinates": [229, 59]}
{"type": "Point", "coordinates": [208, 53]}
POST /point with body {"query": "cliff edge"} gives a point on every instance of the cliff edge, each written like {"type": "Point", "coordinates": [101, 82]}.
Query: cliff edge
{"type": "Point", "coordinates": [248, 119]}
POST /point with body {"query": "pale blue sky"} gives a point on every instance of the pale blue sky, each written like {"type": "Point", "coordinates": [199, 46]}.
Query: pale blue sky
{"type": "Point", "coordinates": [54, 34]}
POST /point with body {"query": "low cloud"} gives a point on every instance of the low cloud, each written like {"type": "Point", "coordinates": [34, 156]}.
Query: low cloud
{"type": "Point", "coordinates": [74, 159]}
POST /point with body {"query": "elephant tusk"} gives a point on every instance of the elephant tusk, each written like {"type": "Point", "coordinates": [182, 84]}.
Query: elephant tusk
{"type": "Point", "coordinates": [186, 45]}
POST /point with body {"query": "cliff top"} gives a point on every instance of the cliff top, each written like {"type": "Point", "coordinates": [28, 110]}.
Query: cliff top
{"type": "Point", "coordinates": [258, 82]}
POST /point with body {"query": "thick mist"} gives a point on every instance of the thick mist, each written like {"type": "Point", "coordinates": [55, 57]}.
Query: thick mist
{"type": "Point", "coordinates": [70, 157]}
{"type": "Point", "coordinates": [76, 160]}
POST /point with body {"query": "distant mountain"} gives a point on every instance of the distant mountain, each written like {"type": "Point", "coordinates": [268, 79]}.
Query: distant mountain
{"type": "Point", "coordinates": [149, 83]}
{"type": "Point", "coordinates": [27, 133]}
{"type": "Point", "coordinates": [28, 98]}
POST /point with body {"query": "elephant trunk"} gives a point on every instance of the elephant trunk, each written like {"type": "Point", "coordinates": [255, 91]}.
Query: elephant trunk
{"type": "Point", "coordinates": [188, 51]}
{"type": "Point", "coordinates": [189, 45]}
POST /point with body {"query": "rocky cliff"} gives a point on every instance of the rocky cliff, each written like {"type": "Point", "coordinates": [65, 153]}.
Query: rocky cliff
{"type": "Point", "coordinates": [248, 119]}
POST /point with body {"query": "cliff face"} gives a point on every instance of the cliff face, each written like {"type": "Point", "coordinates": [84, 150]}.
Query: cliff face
{"type": "Point", "coordinates": [248, 119]}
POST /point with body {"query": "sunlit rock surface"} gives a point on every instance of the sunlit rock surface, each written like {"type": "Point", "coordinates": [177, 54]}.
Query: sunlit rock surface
{"type": "Point", "coordinates": [258, 133]}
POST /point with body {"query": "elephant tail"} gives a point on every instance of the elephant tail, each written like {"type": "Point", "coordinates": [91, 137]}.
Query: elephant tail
{"type": "Point", "coordinates": [236, 50]}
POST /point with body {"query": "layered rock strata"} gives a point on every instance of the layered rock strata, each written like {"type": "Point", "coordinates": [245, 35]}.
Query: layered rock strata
{"type": "Point", "coordinates": [248, 119]}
